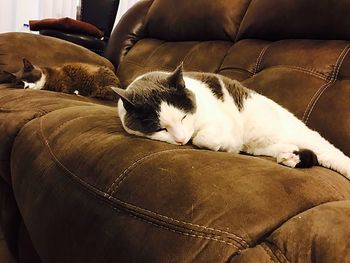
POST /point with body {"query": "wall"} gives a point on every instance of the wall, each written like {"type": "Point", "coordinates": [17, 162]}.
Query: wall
{"type": "Point", "coordinates": [14, 13]}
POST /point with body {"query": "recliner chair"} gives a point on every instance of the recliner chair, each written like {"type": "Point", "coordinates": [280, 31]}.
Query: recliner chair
{"type": "Point", "coordinates": [101, 14]}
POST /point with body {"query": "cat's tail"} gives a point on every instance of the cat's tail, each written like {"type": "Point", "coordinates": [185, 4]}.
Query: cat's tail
{"type": "Point", "coordinates": [327, 154]}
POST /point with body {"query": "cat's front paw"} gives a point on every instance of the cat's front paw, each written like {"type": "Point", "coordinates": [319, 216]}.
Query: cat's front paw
{"type": "Point", "coordinates": [302, 158]}
{"type": "Point", "coordinates": [207, 142]}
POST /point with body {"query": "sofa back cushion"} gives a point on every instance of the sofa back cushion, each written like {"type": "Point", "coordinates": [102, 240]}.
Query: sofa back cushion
{"type": "Point", "coordinates": [240, 19]}
{"type": "Point", "coordinates": [195, 20]}
{"type": "Point", "coordinates": [311, 19]}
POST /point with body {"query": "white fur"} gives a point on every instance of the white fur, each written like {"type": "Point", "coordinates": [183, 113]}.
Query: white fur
{"type": "Point", "coordinates": [38, 85]}
{"type": "Point", "coordinates": [178, 125]}
{"type": "Point", "coordinates": [262, 127]}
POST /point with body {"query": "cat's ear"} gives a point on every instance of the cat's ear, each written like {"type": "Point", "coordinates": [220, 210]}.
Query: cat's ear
{"type": "Point", "coordinates": [124, 97]}
{"type": "Point", "coordinates": [27, 65]}
{"type": "Point", "coordinates": [176, 78]}
{"type": "Point", "coordinates": [7, 77]}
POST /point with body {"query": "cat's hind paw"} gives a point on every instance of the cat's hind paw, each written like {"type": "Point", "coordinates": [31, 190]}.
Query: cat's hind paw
{"type": "Point", "coordinates": [302, 158]}
{"type": "Point", "coordinates": [288, 159]}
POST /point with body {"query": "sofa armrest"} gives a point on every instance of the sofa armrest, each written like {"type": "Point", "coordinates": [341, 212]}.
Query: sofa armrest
{"type": "Point", "coordinates": [43, 51]}
{"type": "Point", "coordinates": [129, 30]}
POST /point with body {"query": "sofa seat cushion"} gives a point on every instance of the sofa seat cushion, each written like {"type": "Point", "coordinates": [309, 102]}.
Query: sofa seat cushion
{"type": "Point", "coordinates": [125, 197]}
{"type": "Point", "coordinates": [18, 107]}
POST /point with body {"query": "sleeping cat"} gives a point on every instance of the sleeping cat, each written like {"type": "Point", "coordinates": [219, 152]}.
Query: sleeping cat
{"type": "Point", "coordinates": [73, 78]}
{"type": "Point", "coordinates": [221, 114]}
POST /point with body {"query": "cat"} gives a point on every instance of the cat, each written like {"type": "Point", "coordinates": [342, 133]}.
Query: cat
{"type": "Point", "coordinates": [72, 78]}
{"type": "Point", "coordinates": [220, 114]}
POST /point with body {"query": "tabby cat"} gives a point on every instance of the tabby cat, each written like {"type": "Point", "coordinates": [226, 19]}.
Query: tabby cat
{"type": "Point", "coordinates": [73, 78]}
{"type": "Point", "coordinates": [220, 114]}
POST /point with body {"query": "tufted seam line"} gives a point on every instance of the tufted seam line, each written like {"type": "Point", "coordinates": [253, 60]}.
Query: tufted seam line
{"type": "Point", "coordinates": [223, 60]}
{"type": "Point", "coordinates": [124, 174]}
{"type": "Point", "coordinates": [340, 61]}
{"type": "Point", "coordinates": [99, 193]}
{"type": "Point", "coordinates": [304, 70]}
{"type": "Point", "coordinates": [277, 254]}
{"type": "Point", "coordinates": [185, 223]}
{"type": "Point", "coordinates": [59, 127]}
{"type": "Point", "coordinates": [313, 102]}
{"type": "Point", "coordinates": [235, 68]}
{"type": "Point", "coordinates": [193, 233]}
{"type": "Point", "coordinates": [153, 52]}
{"type": "Point", "coordinates": [36, 110]}
{"type": "Point", "coordinates": [322, 89]}
{"type": "Point", "coordinates": [270, 253]}
{"type": "Point", "coordinates": [189, 54]}
{"type": "Point", "coordinates": [130, 61]}
{"type": "Point", "coordinates": [258, 62]}
{"type": "Point", "coordinates": [184, 233]}
{"type": "Point", "coordinates": [14, 99]}
{"type": "Point", "coordinates": [244, 17]}
{"type": "Point", "coordinates": [135, 164]}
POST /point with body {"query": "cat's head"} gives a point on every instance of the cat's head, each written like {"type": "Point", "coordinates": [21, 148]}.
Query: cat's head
{"type": "Point", "coordinates": [158, 105]}
{"type": "Point", "coordinates": [29, 76]}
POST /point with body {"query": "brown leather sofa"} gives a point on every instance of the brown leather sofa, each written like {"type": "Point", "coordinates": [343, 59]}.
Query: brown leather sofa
{"type": "Point", "coordinates": [76, 188]}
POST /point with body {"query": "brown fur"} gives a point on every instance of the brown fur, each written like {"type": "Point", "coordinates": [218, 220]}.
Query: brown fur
{"type": "Point", "coordinates": [89, 80]}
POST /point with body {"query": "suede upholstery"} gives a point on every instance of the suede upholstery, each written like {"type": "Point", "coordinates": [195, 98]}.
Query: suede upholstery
{"type": "Point", "coordinates": [75, 187]}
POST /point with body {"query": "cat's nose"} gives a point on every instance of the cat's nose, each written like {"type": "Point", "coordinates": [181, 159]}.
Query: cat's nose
{"type": "Point", "coordinates": [181, 141]}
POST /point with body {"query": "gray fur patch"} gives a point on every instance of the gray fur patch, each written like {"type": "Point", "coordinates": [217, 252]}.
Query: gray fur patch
{"type": "Point", "coordinates": [238, 92]}
{"type": "Point", "coordinates": [212, 81]}
{"type": "Point", "coordinates": [154, 88]}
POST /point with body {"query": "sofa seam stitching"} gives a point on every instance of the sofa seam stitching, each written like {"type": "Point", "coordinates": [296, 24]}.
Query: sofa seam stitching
{"type": "Point", "coordinates": [93, 189]}
{"type": "Point", "coordinates": [241, 22]}
{"type": "Point", "coordinates": [62, 125]}
{"type": "Point", "coordinates": [270, 253]}
{"type": "Point", "coordinates": [161, 44]}
{"type": "Point", "coordinates": [189, 54]}
{"type": "Point", "coordinates": [259, 59]}
{"type": "Point", "coordinates": [315, 99]}
{"type": "Point", "coordinates": [323, 88]}
{"type": "Point", "coordinates": [304, 70]}
{"type": "Point", "coordinates": [280, 256]}
{"type": "Point", "coordinates": [195, 233]}
{"type": "Point", "coordinates": [126, 171]}
{"type": "Point", "coordinates": [218, 69]}
{"type": "Point", "coordinates": [185, 223]}
{"type": "Point", "coordinates": [185, 233]}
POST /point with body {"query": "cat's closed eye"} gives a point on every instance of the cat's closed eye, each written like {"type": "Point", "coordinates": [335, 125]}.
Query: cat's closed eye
{"type": "Point", "coordinates": [183, 117]}
{"type": "Point", "coordinates": [162, 129]}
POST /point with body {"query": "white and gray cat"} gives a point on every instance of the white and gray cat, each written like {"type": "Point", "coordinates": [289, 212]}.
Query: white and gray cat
{"type": "Point", "coordinates": [73, 78]}
{"type": "Point", "coordinates": [220, 114]}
